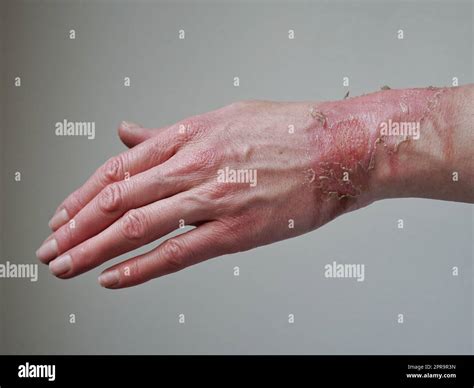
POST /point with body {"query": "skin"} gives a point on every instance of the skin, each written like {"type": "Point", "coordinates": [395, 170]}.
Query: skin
{"type": "Point", "coordinates": [314, 162]}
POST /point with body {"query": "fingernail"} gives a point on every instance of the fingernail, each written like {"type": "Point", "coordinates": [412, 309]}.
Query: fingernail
{"type": "Point", "coordinates": [129, 125]}
{"type": "Point", "coordinates": [47, 251]}
{"type": "Point", "coordinates": [61, 265]}
{"type": "Point", "coordinates": [59, 219]}
{"type": "Point", "coordinates": [109, 278]}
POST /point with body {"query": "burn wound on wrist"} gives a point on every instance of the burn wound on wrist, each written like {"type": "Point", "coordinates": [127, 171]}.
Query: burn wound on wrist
{"type": "Point", "coordinates": [351, 138]}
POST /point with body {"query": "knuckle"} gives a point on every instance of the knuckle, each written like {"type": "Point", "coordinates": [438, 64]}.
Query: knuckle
{"type": "Point", "coordinates": [113, 169]}
{"type": "Point", "coordinates": [192, 129]}
{"type": "Point", "coordinates": [111, 198]}
{"type": "Point", "coordinates": [158, 149]}
{"type": "Point", "coordinates": [202, 160]}
{"type": "Point", "coordinates": [173, 254]}
{"type": "Point", "coordinates": [134, 225]}
{"type": "Point", "coordinates": [196, 162]}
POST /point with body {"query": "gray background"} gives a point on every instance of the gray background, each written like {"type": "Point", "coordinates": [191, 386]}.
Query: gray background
{"type": "Point", "coordinates": [407, 271]}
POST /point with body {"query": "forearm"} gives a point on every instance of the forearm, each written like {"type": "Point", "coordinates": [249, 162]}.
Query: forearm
{"type": "Point", "coordinates": [439, 164]}
{"type": "Point", "coordinates": [396, 143]}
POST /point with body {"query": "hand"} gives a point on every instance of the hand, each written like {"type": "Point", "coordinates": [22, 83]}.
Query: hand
{"type": "Point", "coordinates": [183, 175]}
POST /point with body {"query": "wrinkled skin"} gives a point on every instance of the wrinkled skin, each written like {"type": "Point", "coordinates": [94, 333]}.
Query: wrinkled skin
{"type": "Point", "coordinates": [170, 177]}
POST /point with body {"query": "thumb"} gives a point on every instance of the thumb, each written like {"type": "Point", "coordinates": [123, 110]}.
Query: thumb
{"type": "Point", "coordinates": [132, 134]}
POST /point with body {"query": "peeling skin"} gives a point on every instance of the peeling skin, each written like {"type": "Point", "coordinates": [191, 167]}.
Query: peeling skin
{"type": "Point", "coordinates": [348, 138]}
{"type": "Point", "coordinates": [320, 116]}
{"type": "Point", "coordinates": [310, 175]}
{"type": "Point", "coordinates": [403, 107]}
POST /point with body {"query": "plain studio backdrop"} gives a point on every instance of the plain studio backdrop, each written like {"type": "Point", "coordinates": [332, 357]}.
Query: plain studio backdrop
{"type": "Point", "coordinates": [408, 271]}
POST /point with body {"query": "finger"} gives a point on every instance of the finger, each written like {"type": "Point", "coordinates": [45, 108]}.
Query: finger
{"type": "Point", "coordinates": [136, 228]}
{"type": "Point", "coordinates": [151, 152]}
{"type": "Point", "coordinates": [202, 243]}
{"type": "Point", "coordinates": [112, 202]}
{"type": "Point", "coordinates": [132, 134]}
{"type": "Point", "coordinates": [48, 238]}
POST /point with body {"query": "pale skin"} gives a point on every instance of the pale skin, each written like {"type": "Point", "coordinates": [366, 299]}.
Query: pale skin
{"type": "Point", "coordinates": [313, 161]}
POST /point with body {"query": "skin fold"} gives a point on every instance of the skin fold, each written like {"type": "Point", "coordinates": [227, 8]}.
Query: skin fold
{"type": "Point", "coordinates": [313, 162]}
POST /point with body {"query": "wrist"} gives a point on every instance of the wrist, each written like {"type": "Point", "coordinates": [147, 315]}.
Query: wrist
{"type": "Point", "coordinates": [409, 142]}
{"type": "Point", "coordinates": [392, 143]}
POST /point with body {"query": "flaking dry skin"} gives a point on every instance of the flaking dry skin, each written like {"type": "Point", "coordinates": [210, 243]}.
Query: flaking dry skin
{"type": "Point", "coordinates": [348, 141]}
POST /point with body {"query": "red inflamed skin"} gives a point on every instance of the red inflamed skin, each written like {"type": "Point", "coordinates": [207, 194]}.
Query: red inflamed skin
{"type": "Point", "coordinates": [256, 172]}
